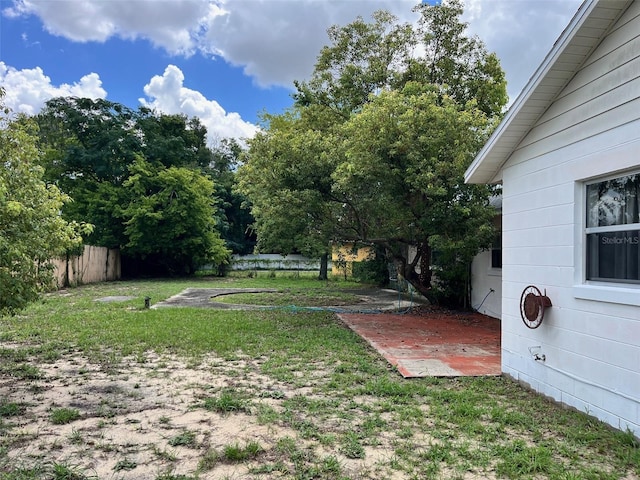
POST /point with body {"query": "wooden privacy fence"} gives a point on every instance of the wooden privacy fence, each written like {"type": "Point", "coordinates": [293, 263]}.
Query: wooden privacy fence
{"type": "Point", "coordinates": [96, 264]}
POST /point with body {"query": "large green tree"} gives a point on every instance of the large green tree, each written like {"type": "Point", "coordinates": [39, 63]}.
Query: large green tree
{"type": "Point", "coordinates": [117, 163]}
{"type": "Point", "coordinates": [287, 177]}
{"type": "Point", "coordinates": [235, 219]}
{"type": "Point", "coordinates": [168, 220]}
{"type": "Point", "coordinates": [401, 177]}
{"type": "Point", "coordinates": [88, 147]}
{"type": "Point", "coordinates": [173, 140]}
{"type": "Point", "coordinates": [375, 148]}
{"type": "Point", "coordinates": [32, 231]}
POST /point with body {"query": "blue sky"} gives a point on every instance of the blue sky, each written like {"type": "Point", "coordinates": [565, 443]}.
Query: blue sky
{"type": "Point", "coordinates": [125, 66]}
{"type": "Point", "coordinates": [224, 61]}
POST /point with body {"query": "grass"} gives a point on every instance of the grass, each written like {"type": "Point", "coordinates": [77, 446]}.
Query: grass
{"type": "Point", "coordinates": [125, 464]}
{"type": "Point", "coordinates": [61, 416]}
{"type": "Point", "coordinates": [337, 399]}
{"type": "Point", "coordinates": [10, 409]}
{"type": "Point", "coordinates": [65, 472]}
{"type": "Point", "coordinates": [184, 439]}
{"type": "Point", "coordinates": [228, 401]}
{"type": "Point", "coordinates": [236, 453]}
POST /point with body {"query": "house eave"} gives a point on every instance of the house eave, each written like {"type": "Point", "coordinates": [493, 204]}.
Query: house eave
{"type": "Point", "coordinates": [570, 51]}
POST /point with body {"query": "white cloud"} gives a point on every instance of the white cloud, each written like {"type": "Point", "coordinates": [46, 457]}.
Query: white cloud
{"type": "Point", "coordinates": [277, 41]}
{"type": "Point", "coordinates": [27, 90]}
{"type": "Point", "coordinates": [521, 32]}
{"type": "Point", "coordinates": [168, 94]}
{"type": "Point", "coordinates": [170, 24]}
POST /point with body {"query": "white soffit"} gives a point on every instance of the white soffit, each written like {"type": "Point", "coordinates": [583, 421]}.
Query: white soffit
{"type": "Point", "coordinates": [584, 33]}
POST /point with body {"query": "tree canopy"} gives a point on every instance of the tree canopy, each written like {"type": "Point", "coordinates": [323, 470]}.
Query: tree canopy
{"type": "Point", "coordinates": [375, 148]}
{"type": "Point", "coordinates": [235, 219]}
{"type": "Point", "coordinates": [168, 220]}
{"type": "Point", "coordinates": [288, 179]}
{"type": "Point", "coordinates": [32, 231]}
{"type": "Point", "coordinates": [148, 182]}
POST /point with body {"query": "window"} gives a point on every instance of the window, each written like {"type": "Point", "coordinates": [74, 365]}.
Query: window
{"type": "Point", "coordinates": [496, 246]}
{"type": "Point", "coordinates": [496, 258]}
{"type": "Point", "coordinates": [613, 229]}
{"type": "Point", "coordinates": [496, 253]}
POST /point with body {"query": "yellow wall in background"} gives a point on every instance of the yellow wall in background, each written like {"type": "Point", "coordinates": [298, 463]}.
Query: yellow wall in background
{"type": "Point", "coordinates": [343, 256]}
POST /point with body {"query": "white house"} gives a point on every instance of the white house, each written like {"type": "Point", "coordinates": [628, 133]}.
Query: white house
{"type": "Point", "coordinates": [568, 157]}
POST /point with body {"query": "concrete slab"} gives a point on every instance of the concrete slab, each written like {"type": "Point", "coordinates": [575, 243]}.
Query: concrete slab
{"type": "Point", "coordinates": [203, 298]}
{"type": "Point", "coordinates": [370, 300]}
{"type": "Point", "coordinates": [433, 342]}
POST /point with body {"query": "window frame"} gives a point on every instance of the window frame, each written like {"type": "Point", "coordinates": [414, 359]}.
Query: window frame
{"type": "Point", "coordinates": [594, 160]}
{"type": "Point", "coordinates": [628, 227]}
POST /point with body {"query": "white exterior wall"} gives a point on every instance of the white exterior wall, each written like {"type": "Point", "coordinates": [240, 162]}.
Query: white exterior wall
{"type": "Point", "coordinates": [591, 335]}
{"type": "Point", "coordinates": [486, 286]}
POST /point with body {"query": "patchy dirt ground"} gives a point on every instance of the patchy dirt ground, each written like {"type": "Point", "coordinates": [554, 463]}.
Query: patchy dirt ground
{"type": "Point", "coordinates": [143, 418]}
{"type": "Point", "coordinates": [153, 417]}
{"type": "Point", "coordinates": [146, 418]}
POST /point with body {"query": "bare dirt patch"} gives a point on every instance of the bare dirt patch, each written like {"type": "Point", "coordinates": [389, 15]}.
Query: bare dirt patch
{"type": "Point", "coordinates": [145, 417]}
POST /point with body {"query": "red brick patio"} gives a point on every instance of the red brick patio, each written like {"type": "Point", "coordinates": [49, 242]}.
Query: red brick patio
{"type": "Point", "coordinates": [432, 342]}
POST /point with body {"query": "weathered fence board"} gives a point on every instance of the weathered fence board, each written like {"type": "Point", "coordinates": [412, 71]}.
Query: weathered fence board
{"type": "Point", "coordinates": [96, 264]}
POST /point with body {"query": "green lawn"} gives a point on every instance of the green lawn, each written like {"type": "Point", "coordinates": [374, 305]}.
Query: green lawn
{"type": "Point", "coordinates": [350, 414]}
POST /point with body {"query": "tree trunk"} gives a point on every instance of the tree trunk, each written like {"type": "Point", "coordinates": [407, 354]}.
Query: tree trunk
{"type": "Point", "coordinates": [324, 267]}
{"type": "Point", "coordinates": [422, 281]}
{"type": "Point", "coordinates": [407, 269]}
{"type": "Point", "coordinates": [425, 265]}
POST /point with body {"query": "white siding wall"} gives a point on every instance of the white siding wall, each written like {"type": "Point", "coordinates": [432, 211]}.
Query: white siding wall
{"type": "Point", "coordinates": [486, 286]}
{"type": "Point", "coordinates": [591, 335]}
